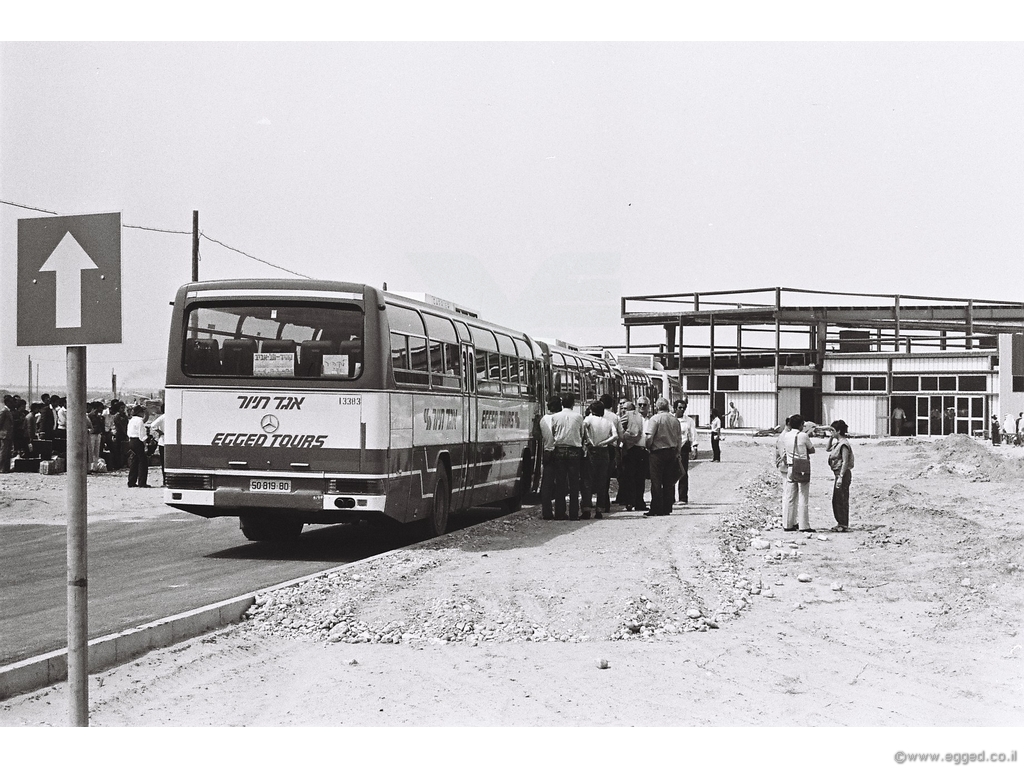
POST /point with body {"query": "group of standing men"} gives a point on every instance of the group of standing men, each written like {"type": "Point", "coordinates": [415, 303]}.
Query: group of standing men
{"type": "Point", "coordinates": [579, 453]}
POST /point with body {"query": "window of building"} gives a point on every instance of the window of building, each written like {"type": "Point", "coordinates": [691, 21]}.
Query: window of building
{"type": "Point", "coordinates": [697, 383]}
{"type": "Point", "coordinates": [972, 384]}
{"type": "Point", "coordinates": [904, 384]}
{"type": "Point", "coordinates": [728, 383]}
{"type": "Point", "coordinates": [843, 384]}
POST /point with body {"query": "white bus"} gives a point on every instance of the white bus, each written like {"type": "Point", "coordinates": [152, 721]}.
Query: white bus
{"type": "Point", "coordinates": [294, 402]}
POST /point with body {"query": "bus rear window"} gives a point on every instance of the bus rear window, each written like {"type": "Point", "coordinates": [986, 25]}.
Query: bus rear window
{"type": "Point", "coordinates": [274, 341]}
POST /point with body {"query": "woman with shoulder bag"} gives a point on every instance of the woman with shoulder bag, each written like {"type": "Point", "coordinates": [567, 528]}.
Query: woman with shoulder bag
{"type": "Point", "coordinates": [796, 486]}
{"type": "Point", "coordinates": [840, 459]}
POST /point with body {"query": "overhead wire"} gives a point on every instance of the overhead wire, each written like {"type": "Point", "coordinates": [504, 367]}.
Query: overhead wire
{"type": "Point", "coordinates": [250, 256]}
{"type": "Point", "coordinates": [172, 232]}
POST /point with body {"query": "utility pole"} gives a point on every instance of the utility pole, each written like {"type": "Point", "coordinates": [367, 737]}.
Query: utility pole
{"type": "Point", "coordinates": [195, 246]}
{"type": "Point", "coordinates": [30, 379]}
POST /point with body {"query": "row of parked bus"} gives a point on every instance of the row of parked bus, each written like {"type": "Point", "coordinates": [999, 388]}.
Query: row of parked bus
{"type": "Point", "coordinates": [295, 402]}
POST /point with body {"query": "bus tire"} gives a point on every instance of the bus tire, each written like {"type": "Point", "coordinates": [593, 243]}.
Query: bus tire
{"type": "Point", "coordinates": [258, 527]}
{"type": "Point", "coordinates": [440, 508]}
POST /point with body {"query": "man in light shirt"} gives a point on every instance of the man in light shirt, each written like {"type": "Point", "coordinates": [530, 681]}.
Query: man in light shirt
{"type": "Point", "coordinates": [567, 429]}
{"type": "Point", "coordinates": [600, 439]}
{"type": "Point", "coordinates": [547, 480]}
{"type": "Point", "coordinates": [664, 438]}
{"type": "Point", "coordinates": [689, 437]}
{"type": "Point", "coordinates": [156, 429]}
{"type": "Point", "coordinates": [633, 458]}
{"type": "Point", "coordinates": [138, 462]}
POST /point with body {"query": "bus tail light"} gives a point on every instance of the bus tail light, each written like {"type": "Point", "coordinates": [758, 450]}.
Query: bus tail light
{"type": "Point", "coordinates": [355, 486]}
{"type": "Point", "coordinates": [191, 482]}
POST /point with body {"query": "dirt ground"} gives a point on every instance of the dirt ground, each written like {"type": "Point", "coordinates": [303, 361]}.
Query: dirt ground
{"type": "Point", "coordinates": [712, 616]}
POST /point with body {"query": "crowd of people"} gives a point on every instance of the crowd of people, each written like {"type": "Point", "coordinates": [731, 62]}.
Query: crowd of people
{"type": "Point", "coordinates": [580, 452]}
{"type": "Point", "coordinates": [118, 434]}
{"type": "Point", "coordinates": [1010, 431]}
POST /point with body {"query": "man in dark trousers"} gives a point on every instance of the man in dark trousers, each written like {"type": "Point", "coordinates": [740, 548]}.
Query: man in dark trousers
{"type": "Point", "coordinates": [567, 428]}
{"type": "Point", "coordinates": [138, 466]}
{"type": "Point", "coordinates": [664, 438]}
{"type": "Point", "coordinates": [547, 480]}
{"type": "Point", "coordinates": [634, 457]}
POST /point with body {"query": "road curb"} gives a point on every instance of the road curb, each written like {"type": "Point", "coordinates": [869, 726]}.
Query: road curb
{"type": "Point", "coordinates": [109, 651]}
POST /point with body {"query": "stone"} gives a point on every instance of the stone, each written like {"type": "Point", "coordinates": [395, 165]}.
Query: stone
{"type": "Point", "coordinates": [837, 587]}
{"type": "Point", "coordinates": [603, 664]}
{"type": "Point", "coordinates": [965, 583]}
{"type": "Point", "coordinates": [822, 537]}
{"type": "Point", "coordinates": [711, 623]}
{"type": "Point", "coordinates": [803, 577]}
{"type": "Point", "coordinates": [693, 613]}
{"type": "Point", "coordinates": [351, 662]}
{"type": "Point", "coordinates": [760, 544]}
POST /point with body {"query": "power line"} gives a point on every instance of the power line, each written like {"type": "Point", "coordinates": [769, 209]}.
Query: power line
{"type": "Point", "coordinates": [254, 258]}
{"type": "Point", "coordinates": [154, 229]}
{"type": "Point", "coordinates": [28, 207]}
{"type": "Point", "coordinates": [173, 232]}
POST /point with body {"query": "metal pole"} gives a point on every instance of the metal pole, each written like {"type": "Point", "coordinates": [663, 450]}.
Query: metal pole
{"type": "Point", "coordinates": [195, 246]}
{"type": "Point", "coordinates": [78, 582]}
{"type": "Point", "coordinates": [30, 385]}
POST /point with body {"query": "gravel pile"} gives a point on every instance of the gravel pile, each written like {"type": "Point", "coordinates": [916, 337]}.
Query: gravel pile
{"type": "Point", "coordinates": [378, 602]}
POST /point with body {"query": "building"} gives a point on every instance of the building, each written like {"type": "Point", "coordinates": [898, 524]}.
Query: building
{"type": "Point", "coordinates": [947, 365]}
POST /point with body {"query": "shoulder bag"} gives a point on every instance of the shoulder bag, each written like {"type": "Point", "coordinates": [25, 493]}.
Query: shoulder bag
{"type": "Point", "coordinates": [799, 466]}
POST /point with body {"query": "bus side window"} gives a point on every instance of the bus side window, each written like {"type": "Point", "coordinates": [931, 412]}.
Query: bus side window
{"type": "Point", "coordinates": [202, 356]}
{"type": "Point", "coordinates": [236, 357]}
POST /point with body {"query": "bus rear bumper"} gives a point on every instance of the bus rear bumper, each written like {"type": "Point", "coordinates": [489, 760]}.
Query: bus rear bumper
{"type": "Point", "coordinates": [230, 502]}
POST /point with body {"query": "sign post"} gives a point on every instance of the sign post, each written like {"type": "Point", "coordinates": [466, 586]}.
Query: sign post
{"type": "Point", "coordinates": [78, 579]}
{"type": "Point", "coordinates": [69, 294]}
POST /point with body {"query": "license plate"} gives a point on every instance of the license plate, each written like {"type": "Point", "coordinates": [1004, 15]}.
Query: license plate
{"type": "Point", "coordinates": [271, 486]}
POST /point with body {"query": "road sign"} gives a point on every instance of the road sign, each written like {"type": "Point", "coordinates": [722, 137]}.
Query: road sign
{"type": "Point", "coordinates": [69, 280]}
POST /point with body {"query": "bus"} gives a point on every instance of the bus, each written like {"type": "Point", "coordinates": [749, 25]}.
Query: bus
{"type": "Point", "coordinates": [304, 401]}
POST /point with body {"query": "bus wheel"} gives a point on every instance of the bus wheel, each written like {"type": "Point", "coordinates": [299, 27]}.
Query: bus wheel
{"type": "Point", "coordinates": [269, 528]}
{"type": "Point", "coordinates": [437, 523]}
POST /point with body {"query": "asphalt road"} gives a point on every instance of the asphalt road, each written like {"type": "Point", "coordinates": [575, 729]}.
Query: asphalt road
{"type": "Point", "coordinates": [143, 571]}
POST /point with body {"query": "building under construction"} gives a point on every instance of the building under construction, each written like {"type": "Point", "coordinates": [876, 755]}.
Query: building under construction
{"type": "Point", "coordinates": [884, 363]}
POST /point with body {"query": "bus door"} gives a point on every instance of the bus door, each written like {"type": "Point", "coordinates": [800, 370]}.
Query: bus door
{"type": "Point", "coordinates": [470, 457]}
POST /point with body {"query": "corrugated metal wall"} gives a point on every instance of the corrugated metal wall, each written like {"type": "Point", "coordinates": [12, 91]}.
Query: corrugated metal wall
{"type": "Point", "coordinates": [860, 412]}
{"type": "Point", "coordinates": [940, 364]}
{"type": "Point", "coordinates": [757, 409]}
{"type": "Point", "coordinates": [855, 365]}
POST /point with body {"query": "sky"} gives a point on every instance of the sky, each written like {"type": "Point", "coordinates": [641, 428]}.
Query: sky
{"type": "Point", "coordinates": [535, 182]}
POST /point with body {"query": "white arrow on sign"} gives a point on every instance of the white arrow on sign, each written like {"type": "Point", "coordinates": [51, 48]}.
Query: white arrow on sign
{"type": "Point", "coordinates": [68, 260]}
